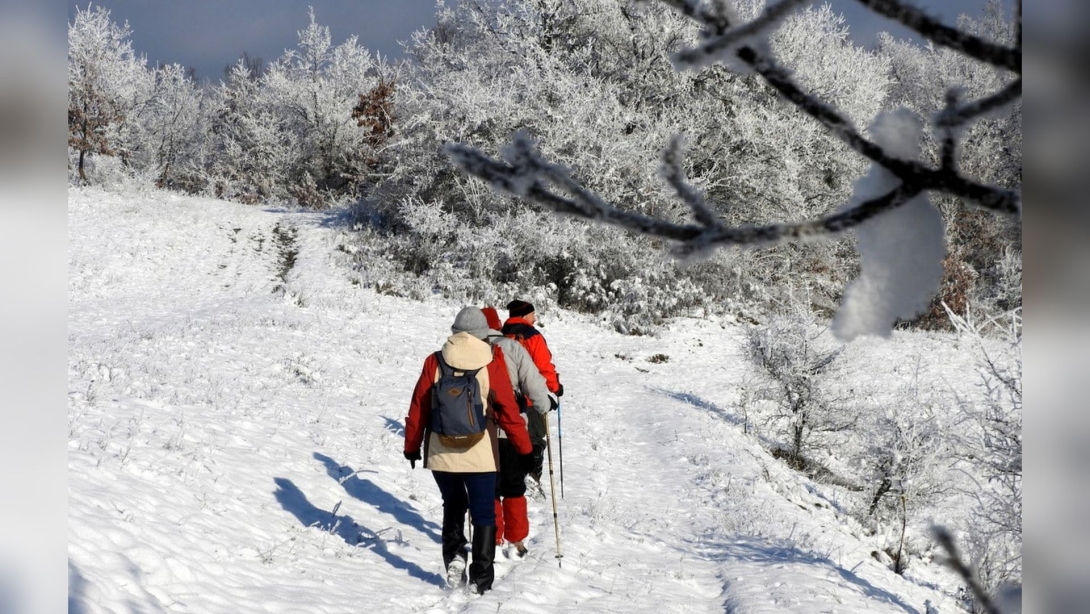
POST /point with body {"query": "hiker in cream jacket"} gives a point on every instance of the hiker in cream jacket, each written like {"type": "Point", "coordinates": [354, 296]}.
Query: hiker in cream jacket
{"type": "Point", "coordinates": [467, 476]}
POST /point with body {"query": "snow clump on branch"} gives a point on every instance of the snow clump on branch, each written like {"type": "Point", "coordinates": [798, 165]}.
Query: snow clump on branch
{"type": "Point", "coordinates": [901, 251]}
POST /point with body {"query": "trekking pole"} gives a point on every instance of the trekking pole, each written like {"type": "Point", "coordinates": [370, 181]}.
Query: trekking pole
{"type": "Point", "coordinates": [552, 491]}
{"type": "Point", "coordinates": [560, 446]}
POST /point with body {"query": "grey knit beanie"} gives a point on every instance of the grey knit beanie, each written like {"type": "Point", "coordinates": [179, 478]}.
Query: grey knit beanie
{"type": "Point", "coordinates": [471, 320]}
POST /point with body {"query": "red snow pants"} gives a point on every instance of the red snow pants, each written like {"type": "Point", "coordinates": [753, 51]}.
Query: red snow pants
{"type": "Point", "coordinates": [512, 522]}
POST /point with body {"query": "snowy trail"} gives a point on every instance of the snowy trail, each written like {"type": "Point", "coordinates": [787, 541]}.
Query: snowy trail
{"type": "Point", "coordinates": [235, 426]}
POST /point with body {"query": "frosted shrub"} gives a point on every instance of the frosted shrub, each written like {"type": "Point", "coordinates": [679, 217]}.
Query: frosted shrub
{"type": "Point", "coordinates": [594, 81]}
{"type": "Point", "coordinates": [796, 358]}
{"type": "Point", "coordinates": [173, 144]}
{"type": "Point", "coordinates": [993, 448]}
{"type": "Point", "coordinates": [561, 262]}
{"type": "Point", "coordinates": [906, 468]}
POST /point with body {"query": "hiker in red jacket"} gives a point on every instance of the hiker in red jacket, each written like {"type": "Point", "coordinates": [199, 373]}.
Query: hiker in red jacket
{"type": "Point", "coordinates": [520, 327]}
{"type": "Point", "coordinates": [512, 521]}
{"type": "Point", "coordinates": [466, 476]}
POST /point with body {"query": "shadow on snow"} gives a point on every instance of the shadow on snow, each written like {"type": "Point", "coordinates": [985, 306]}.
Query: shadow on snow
{"type": "Point", "coordinates": [77, 584]}
{"type": "Point", "coordinates": [394, 426]}
{"type": "Point", "coordinates": [700, 403]}
{"type": "Point", "coordinates": [769, 554]}
{"type": "Point", "coordinates": [294, 501]}
{"type": "Point", "coordinates": [368, 492]}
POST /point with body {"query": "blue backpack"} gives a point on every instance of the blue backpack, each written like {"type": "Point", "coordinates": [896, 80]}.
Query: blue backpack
{"type": "Point", "coordinates": [457, 413]}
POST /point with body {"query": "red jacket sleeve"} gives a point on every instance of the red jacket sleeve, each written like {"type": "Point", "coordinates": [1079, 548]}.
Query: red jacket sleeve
{"type": "Point", "coordinates": [416, 423]}
{"type": "Point", "coordinates": [543, 359]}
{"type": "Point", "coordinates": [504, 406]}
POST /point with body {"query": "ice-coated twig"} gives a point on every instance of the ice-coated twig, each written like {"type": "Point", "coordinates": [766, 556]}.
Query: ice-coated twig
{"type": "Point", "coordinates": [528, 176]}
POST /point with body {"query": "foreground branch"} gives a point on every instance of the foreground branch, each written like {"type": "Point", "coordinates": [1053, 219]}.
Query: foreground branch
{"type": "Point", "coordinates": [962, 568]}
{"type": "Point", "coordinates": [934, 31]}
{"type": "Point", "coordinates": [528, 176]}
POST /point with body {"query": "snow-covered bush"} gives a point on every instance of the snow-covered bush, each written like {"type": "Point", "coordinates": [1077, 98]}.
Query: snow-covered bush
{"type": "Point", "coordinates": [906, 454]}
{"type": "Point", "coordinates": [796, 358]}
{"type": "Point", "coordinates": [993, 449]}
{"type": "Point", "coordinates": [247, 164]}
{"type": "Point", "coordinates": [594, 83]}
{"type": "Point", "coordinates": [170, 139]}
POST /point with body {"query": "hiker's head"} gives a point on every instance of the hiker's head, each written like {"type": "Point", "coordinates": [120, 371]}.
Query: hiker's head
{"type": "Point", "coordinates": [492, 318]}
{"type": "Point", "coordinates": [521, 309]}
{"type": "Point", "coordinates": [471, 320]}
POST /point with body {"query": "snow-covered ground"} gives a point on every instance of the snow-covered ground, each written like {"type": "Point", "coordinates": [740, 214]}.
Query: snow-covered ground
{"type": "Point", "coordinates": [235, 415]}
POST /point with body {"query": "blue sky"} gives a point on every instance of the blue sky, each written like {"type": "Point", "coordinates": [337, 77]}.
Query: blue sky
{"type": "Point", "coordinates": [210, 34]}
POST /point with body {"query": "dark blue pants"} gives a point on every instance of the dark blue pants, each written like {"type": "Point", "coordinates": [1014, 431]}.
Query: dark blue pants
{"type": "Point", "coordinates": [473, 491]}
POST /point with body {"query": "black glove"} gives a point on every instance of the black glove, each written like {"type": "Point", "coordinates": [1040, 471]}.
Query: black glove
{"type": "Point", "coordinates": [412, 457]}
{"type": "Point", "coordinates": [553, 403]}
{"type": "Point", "coordinates": [559, 390]}
{"type": "Point", "coordinates": [528, 462]}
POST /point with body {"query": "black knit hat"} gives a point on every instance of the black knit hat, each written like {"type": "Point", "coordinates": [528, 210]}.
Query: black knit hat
{"type": "Point", "coordinates": [519, 309]}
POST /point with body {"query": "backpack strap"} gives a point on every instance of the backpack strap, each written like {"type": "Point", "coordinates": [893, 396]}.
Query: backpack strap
{"type": "Point", "coordinates": [445, 369]}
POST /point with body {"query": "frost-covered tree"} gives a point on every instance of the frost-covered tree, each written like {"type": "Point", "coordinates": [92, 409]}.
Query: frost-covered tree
{"type": "Point", "coordinates": [311, 91]}
{"type": "Point", "coordinates": [993, 448]}
{"type": "Point", "coordinates": [170, 122]}
{"type": "Point", "coordinates": [288, 133]}
{"type": "Point", "coordinates": [899, 233]}
{"type": "Point", "coordinates": [248, 161]}
{"type": "Point", "coordinates": [982, 269]}
{"type": "Point", "coordinates": [483, 73]}
{"type": "Point", "coordinates": [255, 66]}
{"type": "Point", "coordinates": [593, 82]}
{"type": "Point", "coordinates": [106, 82]}
{"type": "Point", "coordinates": [906, 460]}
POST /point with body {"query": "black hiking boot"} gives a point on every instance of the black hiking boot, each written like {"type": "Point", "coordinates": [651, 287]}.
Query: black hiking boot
{"type": "Point", "coordinates": [454, 548]}
{"type": "Point", "coordinates": [482, 570]}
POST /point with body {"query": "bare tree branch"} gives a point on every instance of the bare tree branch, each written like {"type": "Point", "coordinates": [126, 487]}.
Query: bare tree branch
{"type": "Point", "coordinates": [675, 176]}
{"type": "Point", "coordinates": [949, 138]}
{"type": "Point", "coordinates": [525, 175]}
{"type": "Point", "coordinates": [732, 37]}
{"type": "Point", "coordinates": [952, 117]}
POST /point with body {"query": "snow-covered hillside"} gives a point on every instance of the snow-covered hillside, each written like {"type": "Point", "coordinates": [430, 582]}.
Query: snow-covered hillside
{"type": "Point", "coordinates": [235, 414]}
